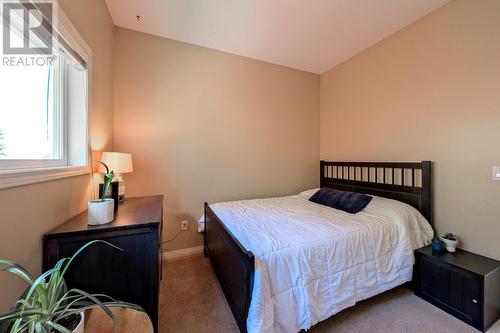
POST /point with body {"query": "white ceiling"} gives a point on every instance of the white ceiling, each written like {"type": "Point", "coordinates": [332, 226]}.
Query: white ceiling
{"type": "Point", "coordinates": [311, 35]}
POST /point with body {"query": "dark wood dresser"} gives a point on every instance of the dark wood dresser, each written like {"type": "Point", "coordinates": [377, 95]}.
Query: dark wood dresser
{"type": "Point", "coordinates": [464, 284]}
{"type": "Point", "coordinates": [132, 275]}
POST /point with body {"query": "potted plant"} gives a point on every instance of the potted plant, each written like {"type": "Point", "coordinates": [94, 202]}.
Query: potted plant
{"type": "Point", "coordinates": [102, 211]}
{"type": "Point", "coordinates": [48, 307]}
{"type": "Point", "coordinates": [450, 241]}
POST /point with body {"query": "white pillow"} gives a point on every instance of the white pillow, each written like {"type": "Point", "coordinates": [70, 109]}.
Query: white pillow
{"type": "Point", "coordinates": [308, 194]}
{"type": "Point", "coordinates": [406, 217]}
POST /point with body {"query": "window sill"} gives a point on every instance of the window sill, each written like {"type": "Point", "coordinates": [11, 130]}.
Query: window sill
{"type": "Point", "coordinates": [13, 178]}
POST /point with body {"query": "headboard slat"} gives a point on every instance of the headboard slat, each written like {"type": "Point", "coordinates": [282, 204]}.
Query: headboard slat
{"type": "Point", "coordinates": [418, 194]}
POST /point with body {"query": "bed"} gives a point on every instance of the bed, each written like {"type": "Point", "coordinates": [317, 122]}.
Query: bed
{"type": "Point", "coordinates": [286, 263]}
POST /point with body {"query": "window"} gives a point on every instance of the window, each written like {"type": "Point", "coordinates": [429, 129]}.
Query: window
{"type": "Point", "coordinates": [43, 102]}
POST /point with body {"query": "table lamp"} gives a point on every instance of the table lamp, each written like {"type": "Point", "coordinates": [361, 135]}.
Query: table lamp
{"type": "Point", "coordinates": [119, 163]}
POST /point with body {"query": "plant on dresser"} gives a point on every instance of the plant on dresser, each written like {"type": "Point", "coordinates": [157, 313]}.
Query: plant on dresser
{"type": "Point", "coordinates": [47, 305]}
{"type": "Point", "coordinates": [102, 211]}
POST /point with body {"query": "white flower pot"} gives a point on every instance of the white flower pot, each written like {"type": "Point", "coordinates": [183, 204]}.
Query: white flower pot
{"type": "Point", "coordinates": [101, 212]}
{"type": "Point", "coordinates": [450, 245]}
{"type": "Point", "coordinates": [81, 324]}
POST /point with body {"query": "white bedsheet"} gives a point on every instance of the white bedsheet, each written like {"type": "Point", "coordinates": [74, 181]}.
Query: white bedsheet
{"type": "Point", "coordinates": [312, 261]}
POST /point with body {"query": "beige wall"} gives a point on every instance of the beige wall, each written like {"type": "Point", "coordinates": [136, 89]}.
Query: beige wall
{"type": "Point", "coordinates": [204, 125]}
{"type": "Point", "coordinates": [431, 91]}
{"type": "Point", "coordinates": [27, 212]}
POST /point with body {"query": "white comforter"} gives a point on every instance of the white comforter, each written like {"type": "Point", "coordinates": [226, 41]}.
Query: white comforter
{"type": "Point", "coordinates": [312, 261]}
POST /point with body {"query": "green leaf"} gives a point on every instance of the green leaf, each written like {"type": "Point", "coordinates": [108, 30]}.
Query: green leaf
{"type": "Point", "coordinates": [40, 281]}
{"type": "Point", "coordinates": [74, 302]}
{"type": "Point", "coordinates": [58, 327]}
{"type": "Point", "coordinates": [38, 327]}
{"type": "Point", "coordinates": [96, 301]}
{"type": "Point", "coordinates": [14, 314]}
{"type": "Point", "coordinates": [17, 325]}
{"type": "Point", "coordinates": [17, 269]}
{"type": "Point", "coordinates": [87, 306]}
{"type": "Point", "coordinates": [47, 299]}
{"type": "Point", "coordinates": [80, 251]}
{"type": "Point", "coordinates": [103, 164]}
{"type": "Point", "coordinates": [57, 285]}
{"type": "Point", "coordinates": [108, 178]}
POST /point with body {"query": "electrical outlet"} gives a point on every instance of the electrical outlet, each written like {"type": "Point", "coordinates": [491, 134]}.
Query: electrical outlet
{"type": "Point", "coordinates": [184, 225]}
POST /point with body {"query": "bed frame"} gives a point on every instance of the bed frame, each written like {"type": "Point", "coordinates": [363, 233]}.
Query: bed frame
{"type": "Point", "coordinates": [234, 265]}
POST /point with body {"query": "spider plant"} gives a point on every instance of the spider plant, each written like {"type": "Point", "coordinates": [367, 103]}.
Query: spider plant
{"type": "Point", "coordinates": [108, 178]}
{"type": "Point", "coordinates": [450, 236]}
{"type": "Point", "coordinates": [47, 299]}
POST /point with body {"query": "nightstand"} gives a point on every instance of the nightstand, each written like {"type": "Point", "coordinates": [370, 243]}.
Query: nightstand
{"type": "Point", "coordinates": [464, 284]}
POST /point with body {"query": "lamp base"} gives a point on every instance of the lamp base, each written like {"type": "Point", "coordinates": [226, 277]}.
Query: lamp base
{"type": "Point", "coordinates": [121, 186]}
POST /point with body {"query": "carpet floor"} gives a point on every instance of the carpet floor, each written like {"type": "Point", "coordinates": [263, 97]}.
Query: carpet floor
{"type": "Point", "coordinates": [192, 301]}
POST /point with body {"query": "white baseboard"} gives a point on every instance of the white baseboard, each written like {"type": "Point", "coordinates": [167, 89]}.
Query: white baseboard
{"type": "Point", "coordinates": [167, 255]}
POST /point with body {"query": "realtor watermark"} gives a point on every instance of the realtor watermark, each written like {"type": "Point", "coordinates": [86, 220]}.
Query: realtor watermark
{"type": "Point", "coordinates": [27, 36]}
{"type": "Point", "coordinates": [28, 61]}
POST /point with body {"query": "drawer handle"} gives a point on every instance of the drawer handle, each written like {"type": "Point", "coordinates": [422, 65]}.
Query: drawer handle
{"type": "Point", "coordinates": [474, 301]}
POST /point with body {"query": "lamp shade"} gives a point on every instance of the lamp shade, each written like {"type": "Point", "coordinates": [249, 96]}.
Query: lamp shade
{"type": "Point", "coordinates": [117, 162]}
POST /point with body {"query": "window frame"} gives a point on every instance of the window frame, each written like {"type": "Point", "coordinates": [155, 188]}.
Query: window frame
{"type": "Point", "coordinates": [24, 172]}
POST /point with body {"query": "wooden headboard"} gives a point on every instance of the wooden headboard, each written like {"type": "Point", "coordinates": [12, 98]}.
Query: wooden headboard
{"type": "Point", "coordinates": [409, 182]}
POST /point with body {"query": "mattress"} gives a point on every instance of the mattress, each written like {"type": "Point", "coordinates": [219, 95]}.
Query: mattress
{"type": "Point", "coordinates": [312, 261]}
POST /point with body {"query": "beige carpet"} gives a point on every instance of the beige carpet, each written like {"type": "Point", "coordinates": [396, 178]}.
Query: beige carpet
{"type": "Point", "coordinates": [191, 301]}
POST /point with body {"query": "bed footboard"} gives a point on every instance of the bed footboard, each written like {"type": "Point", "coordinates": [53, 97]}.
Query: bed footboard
{"type": "Point", "coordinates": [233, 265]}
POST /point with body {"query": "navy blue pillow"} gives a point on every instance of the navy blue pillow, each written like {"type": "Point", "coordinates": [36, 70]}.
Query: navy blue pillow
{"type": "Point", "coordinates": [350, 202]}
